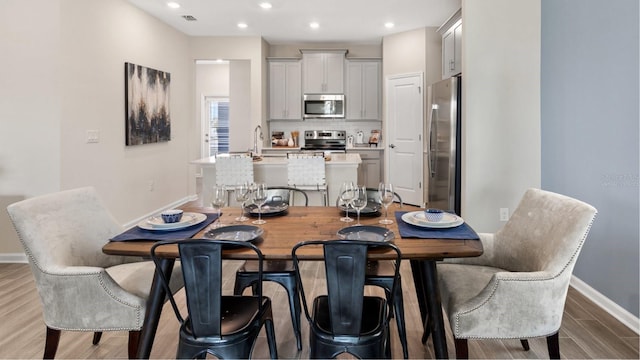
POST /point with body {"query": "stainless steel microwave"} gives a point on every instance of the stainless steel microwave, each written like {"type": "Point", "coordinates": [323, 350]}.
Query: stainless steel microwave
{"type": "Point", "coordinates": [323, 106]}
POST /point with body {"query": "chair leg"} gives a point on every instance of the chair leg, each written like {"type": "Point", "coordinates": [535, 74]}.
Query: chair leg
{"type": "Point", "coordinates": [295, 308]}
{"type": "Point", "coordinates": [134, 340]}
{"type": "Point", "coordinates": [96, 337]}
{"type": "Point", "coordinates": [271, 338]}
{"type": "Point", "coordinates": [51, 343]}
{"type": "Point", "coordinates": [289, 284]}
{"type": "Point", "coordinates": [427, 329]}
{"type": "Point", "coordinates": [525, 344]}
{"type": "Point", "coordinates": [399, 314]}
{"type": "Point", "coordinates": [553, 345]}
{"type": "Point", "coordinates": [462, 348]}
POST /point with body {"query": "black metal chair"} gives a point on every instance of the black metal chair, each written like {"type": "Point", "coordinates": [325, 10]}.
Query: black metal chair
{"type": "Point", "coordinates": [224, 326]}
{"type": "Point", "coordinates": [281, 272]}
{"type": "Point", "coordinates": [380, 273]}
{"type": "Point", "coordinates": [345, 320]}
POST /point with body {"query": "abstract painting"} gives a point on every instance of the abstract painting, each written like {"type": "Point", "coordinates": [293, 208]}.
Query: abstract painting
{"type": "Point", "coordinates": [148, 119]}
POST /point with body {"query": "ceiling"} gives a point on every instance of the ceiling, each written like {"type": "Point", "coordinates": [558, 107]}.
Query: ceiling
{"type": "Point", "coordinates": [287, 22]}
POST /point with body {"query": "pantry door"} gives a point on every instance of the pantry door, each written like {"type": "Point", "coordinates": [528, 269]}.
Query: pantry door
{"type": "Point", "coordinates": [404, 117]}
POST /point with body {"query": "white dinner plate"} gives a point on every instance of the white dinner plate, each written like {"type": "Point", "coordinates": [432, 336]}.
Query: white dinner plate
{"type": "Point", "coordinates": [235, 233]}
{"type": "Point", "coordinates": [366, 232]}
{"type": "Point", "coordinates": [156, 222]}
{"type": "Point", "coordinates": [418, 218]}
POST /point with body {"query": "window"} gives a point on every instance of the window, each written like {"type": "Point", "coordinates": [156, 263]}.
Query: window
{"type": "Point", "coordinates": [217, 113]}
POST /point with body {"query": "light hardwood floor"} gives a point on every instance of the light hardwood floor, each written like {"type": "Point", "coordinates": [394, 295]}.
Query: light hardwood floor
{"type": "Point", "coordinates": [587, 331]}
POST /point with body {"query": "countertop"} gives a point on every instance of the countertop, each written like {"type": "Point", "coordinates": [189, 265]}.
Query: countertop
{"type": "Point", "coordinates": [336, 159]}
{"type": "Point", "coordinates": [366, 147]}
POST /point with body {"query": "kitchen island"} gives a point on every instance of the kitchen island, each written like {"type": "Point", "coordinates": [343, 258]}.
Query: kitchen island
{"type": "Point", "coordinates": [272, 170]}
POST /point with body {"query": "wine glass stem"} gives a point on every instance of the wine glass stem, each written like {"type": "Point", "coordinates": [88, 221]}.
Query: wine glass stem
{"type": "Point", "coordinates": [219, 219]}
{"type": "Point", "coordinates": [358, 211]}
{"type": "Point", "coordinates": [259, 213]}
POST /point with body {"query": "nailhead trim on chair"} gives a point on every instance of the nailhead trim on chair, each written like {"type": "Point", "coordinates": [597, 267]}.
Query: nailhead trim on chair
{"type": "Point", "coordinates": [573, 256]}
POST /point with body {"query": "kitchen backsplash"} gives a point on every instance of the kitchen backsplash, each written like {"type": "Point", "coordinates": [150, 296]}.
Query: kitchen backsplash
{"type": "Point", "coordinates": [351, 127]}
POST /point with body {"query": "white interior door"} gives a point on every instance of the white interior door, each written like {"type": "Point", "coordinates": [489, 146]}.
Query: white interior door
{"type": "Point", "coordinates": [405, 100]}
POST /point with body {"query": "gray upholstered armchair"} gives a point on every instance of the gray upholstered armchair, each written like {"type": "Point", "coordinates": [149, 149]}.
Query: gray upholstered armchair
{"type": "Point", "coordinates": [518, 287]}
{"type": "Point", "coordinates": [81, 288]}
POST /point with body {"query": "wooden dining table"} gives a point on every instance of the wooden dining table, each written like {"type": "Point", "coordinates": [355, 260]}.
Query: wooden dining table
{"type": "Point", "coordinates": [281, 233]}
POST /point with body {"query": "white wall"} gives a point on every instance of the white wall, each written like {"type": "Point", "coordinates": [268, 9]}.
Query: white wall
{"type": "Point", "coordinates": [355, 50]}
{"type": "Point", "coordinates": [63, 74]}
{"type": "Point", "coordinates": [240, 112]}
{"type": "Point", "coordinates": [501, 107]}
{"type": "Point", "coordinates": [132, 179]}
{"type": "Point", "coordinates": [29, 106]}
{"type": "Point", "coordinates": [404, 53]}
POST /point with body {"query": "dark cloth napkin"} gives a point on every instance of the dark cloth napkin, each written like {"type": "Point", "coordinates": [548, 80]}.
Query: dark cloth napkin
{"type": "Point", "coordinates": [463, 231]}
{"type": "Point", "coordinates": [136, 233]}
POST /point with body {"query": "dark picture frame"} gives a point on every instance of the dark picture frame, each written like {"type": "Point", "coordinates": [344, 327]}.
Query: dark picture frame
{"type": "Point", "coordinates": [147, 115]}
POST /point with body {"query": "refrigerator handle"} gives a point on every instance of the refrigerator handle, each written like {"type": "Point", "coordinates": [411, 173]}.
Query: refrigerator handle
{"type": "Point", "coordinates": [432, 148]}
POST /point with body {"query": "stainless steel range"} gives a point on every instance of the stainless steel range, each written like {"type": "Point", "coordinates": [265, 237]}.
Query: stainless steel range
{"type": "Point", "coordinates": [325, 140]}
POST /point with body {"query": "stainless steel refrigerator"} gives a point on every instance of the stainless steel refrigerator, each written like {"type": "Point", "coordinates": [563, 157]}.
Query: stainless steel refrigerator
{"type": "Point", "coordinates": [442, 146]}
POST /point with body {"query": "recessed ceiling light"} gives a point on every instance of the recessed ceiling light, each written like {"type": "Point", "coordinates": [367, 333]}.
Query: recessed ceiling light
{"type": "Point", "coordinates": [265, 5]}
{"type": "Point", "coordinates": [242, 25]}
{"type": "Point", "coordinates": [389, 25]}
{"type": "Point", "coordinates": [314, 25]}
{"type": "Point", "coordinates": [173, 5]}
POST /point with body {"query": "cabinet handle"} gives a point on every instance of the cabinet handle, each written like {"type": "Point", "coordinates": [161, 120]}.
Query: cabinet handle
{"type": "Point", "coordinates": [392, 146]}
{"type": "Point", "coordinates": [452, 65]}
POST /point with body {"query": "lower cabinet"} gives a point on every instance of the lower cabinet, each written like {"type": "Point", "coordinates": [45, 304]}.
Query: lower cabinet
{"type": "Point", "coordinates": [370, 170]}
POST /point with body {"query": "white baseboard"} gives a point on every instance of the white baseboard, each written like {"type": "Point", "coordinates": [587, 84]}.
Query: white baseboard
{"type": "Point", "coordinates": [615, 310]}
{"type": "Point", "coordinates": [13, 258]}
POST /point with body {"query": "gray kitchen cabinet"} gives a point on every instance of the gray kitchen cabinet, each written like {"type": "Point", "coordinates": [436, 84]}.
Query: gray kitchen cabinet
{"type": "Point", "coordinates": [323, 71]}
{"type": "Point", "coordinates": [370, 170]}
{"type": "Point", "coordinates": [452, 45]}
{"type": "Point", "coordinates": [363, 89]}
{"type": "Point", "coordinates": [285, 89]}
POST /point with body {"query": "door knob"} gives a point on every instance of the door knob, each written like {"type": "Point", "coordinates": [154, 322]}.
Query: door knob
{"type": "Point", "coordinates": [392, 146]}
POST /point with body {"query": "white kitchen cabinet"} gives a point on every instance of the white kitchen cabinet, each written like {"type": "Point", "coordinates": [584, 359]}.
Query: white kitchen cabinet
{"type": "Point", "coordinates": [285, 89]}
{"type": "Point", "coordinates": [370, 170]}
{"type": "Point", "coordinates": [363, 89]}
{"type": "Point", "coordinates": [452, 46]}
{"type": "Point", "coordinates": [323, 71]}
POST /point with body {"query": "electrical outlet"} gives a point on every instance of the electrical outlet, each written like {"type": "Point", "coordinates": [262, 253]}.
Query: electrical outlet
{"type": "Point", "coordinates": [504, 214]}
{"type": "Point", "coordinates": [93, 136]}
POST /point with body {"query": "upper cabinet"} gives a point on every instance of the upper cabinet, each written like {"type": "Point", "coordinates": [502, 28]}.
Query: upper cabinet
{"type": "Point", "coordinates": [451, 32]}
{"type": "Point", "coordinates": [285, 89]}
{"type": "Point", "coordinates": [363, 88]}
{"type": "Point", "coordinates": [323, 71]}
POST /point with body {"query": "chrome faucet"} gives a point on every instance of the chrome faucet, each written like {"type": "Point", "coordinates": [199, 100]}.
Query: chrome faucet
{"type": "Point", "coordinates": [255, 138]}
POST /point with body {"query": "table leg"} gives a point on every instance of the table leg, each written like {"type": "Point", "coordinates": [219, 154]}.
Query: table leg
{"type": "Point", "coordinates": [418, 280]}
{"type": "Point", "coordinates": [157, 294]}
{"type": "Point", "coordinates": [434, 307]}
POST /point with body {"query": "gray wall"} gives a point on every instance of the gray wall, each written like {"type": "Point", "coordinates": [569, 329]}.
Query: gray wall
{"type": "Point", "coordinates": [590, 134]}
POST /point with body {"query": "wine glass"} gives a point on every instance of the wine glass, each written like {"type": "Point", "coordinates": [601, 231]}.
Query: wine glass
{"type": "Point", "coordinates": [218, 201]}
{"type": "Point", "coordinates": [347, 193]}
{"type": "Point", "coordinates": [359, 200]}
{"type": "Point", "coordinates": [259, 197]}
{"type": "Point", "coordinates": [385, 191]}
{"type": "Point", "coordinates": [242, 194]}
